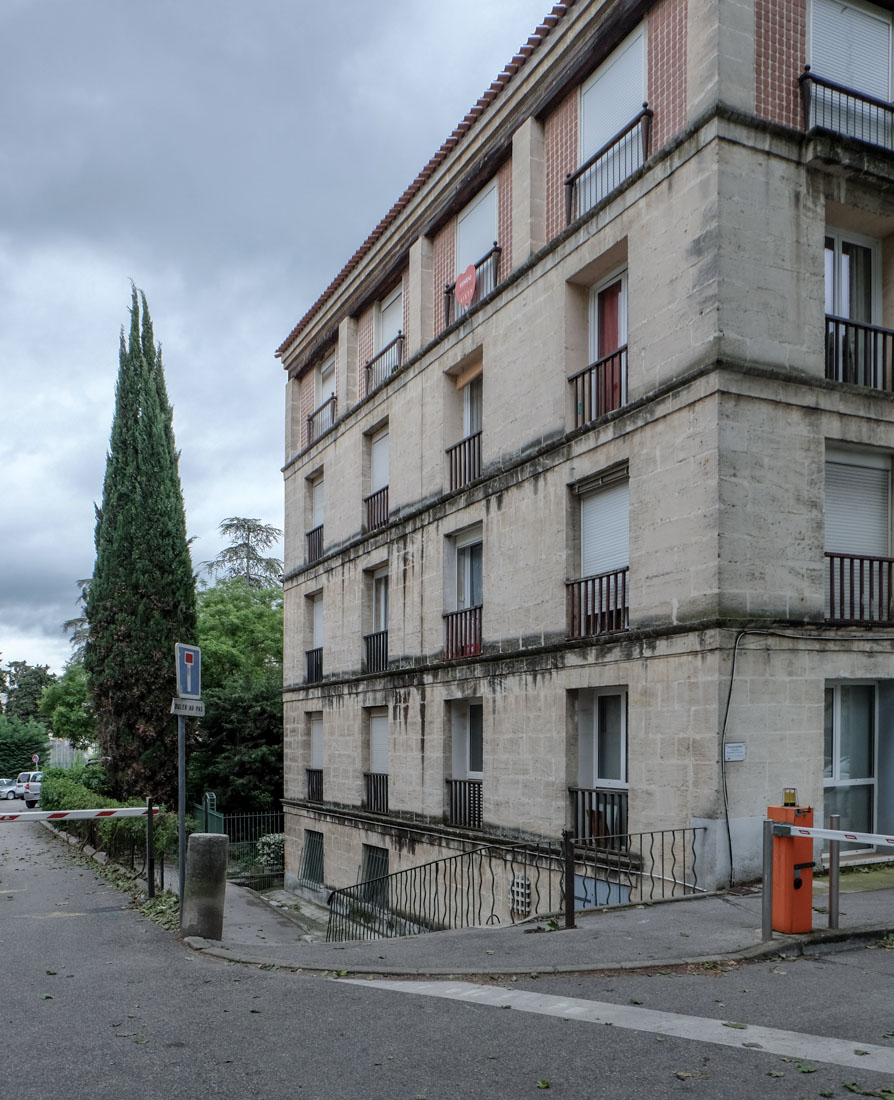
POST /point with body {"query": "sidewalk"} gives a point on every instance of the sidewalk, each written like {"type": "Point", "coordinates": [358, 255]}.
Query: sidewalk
{"type": "Point", "coordinates": [691, 930]}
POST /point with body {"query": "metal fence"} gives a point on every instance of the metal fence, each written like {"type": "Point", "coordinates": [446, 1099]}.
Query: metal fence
{"type": "Point", "coordinates": [505, 884]}
{"type": "Point", "coordinates": [253, 859]}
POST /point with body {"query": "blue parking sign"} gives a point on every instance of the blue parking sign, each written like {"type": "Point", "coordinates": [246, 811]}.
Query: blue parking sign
{"type": "Point", "coordinates": [189, 670]}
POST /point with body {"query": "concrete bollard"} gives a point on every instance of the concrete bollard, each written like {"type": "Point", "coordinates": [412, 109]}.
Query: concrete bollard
{"type": "Point", "coordinates": [205, 886]}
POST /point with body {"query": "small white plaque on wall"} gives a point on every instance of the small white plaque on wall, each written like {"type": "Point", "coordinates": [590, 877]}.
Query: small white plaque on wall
{"type": "Point", "coordinates": [734, 751]}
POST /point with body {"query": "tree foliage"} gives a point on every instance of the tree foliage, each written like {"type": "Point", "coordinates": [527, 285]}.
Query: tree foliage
{"type": "Point", "coordinates": [243, 557]}
{"type": "Point", "coordinates": [25, 685]}
{"type": "Point", "coordinates": [142, 595]}
{"type": "Point", "coordinates": [20, 739]}
{"type": "Point", "coordinates": [66, 707]}
{"type": "Point", "coordinates": [238, 748]}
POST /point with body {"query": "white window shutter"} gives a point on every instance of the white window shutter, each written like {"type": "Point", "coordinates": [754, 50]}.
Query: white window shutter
{"type": "Point", "coordinates": [318, 622]}
{"type": "Point", "coordinates": [316, 743]}
{"type": "Point", "coordinates": [852, 46]}
{"type": "Point", "coordinates": [605, 530]}
{"type": "Point", "coordinates": [476, 229]}
{"type": "Point", "coordinates": [319, 502]}
{"type": "Point", "coordinates": [857, 509]}
{"type": "Point", "coordinates": [378, 463]}
{"type": "Point", "coordinates": [613, 96]}
{"type": "Point", "coordinates": [378, 743]}
{"type": "Point", "coordinates": [391, 320]}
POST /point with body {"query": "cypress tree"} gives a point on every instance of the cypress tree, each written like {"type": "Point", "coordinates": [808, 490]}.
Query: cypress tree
{"type": "Point", "coordinates": [142, 596]}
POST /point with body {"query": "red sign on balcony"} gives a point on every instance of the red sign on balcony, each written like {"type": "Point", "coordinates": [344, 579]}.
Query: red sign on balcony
{"type": "Point", "coordinates": [464, 290]}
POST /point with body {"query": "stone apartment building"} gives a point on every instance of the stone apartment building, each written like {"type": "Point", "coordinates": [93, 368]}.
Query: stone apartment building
{"type": "Point", "coordinates": [588, 455]}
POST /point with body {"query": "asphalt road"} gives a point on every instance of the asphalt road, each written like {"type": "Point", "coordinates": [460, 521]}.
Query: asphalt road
{"type": "Point", "coordinates": [97, 1001]}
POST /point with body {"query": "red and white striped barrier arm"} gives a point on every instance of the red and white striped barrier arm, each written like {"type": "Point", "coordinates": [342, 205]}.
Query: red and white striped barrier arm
{"type": "Point", "coordinates": [846, 837]}
{"type": "Point", "coordinates": [78, 815]}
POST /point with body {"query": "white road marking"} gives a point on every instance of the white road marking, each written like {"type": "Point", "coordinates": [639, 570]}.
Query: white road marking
{"type": "Point", "coordinates": [790, 1044]}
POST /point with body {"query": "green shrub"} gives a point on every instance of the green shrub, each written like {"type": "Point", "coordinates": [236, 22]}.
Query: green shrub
{"type": "Point", "coordinates": [271, 851]}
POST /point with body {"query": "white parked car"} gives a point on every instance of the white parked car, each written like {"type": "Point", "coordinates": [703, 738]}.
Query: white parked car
{"type": "Point", "coordinates": [28, 787]}
{"type": "Point", "coordinates": [7, 788]}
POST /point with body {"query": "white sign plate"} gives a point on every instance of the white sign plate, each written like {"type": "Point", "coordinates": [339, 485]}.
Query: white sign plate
{"type": "Point", "coordinates": [734, 750]}
{"type": "Point", "coordinates": [192, 708]}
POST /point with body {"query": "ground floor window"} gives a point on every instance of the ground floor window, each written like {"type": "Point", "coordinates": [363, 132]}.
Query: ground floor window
{"type": "Point", "coordinates": [312, 861]}
{"type": "Point", "coordinates": [373, 875]}
{"type": "Point", "coordinates": [849, 771]}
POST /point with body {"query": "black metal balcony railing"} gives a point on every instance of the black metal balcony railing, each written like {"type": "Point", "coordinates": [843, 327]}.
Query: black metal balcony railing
{"type": "Point", "coordinates": [314, 784]}
{"type": "Point", "coordinates": [464, 461]}
{"type": "Point", "coordinates": [832, 106]}
{"type": "Point", "coordinates": [375, 797]}
{"type": "Point", "coordinates": [600, 388]}
{"type": "Point", "coordinates": [859, 589]}
{"type": "Point", "coordinates": [464, 802]}
{"type": "Point", "coordinates": [385, 363]}
{"type": "Point", "coordinates": [376, 646]}
{"type": "Point", "coordinates": [598, 605]}
{"type": "Point", "coordinates": [463, 632]}
{"type": "Point", "coordinates": [486, 271]}
{"type": "Point", "coordinates": [321, 419]}
{"type": "Point", "coordinates": [376, 509]}
{"type": "Point", "coordinates": [314, 664]}
{"type": "Point", "coordinates": [609, 166]}
{"type": "Point", "coordinates": [315, 543]}
{"type": "Point", "coordinates": [600, 816]}
{"type": "Point", "coordinates": [859, 353]}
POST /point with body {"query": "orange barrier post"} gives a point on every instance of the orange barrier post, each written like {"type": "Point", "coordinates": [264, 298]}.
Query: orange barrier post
{"type": "Point", "coordinates": [792, 871]}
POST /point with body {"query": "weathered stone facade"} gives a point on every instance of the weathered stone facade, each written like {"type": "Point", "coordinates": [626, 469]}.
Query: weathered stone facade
{"type": "Point", "coordinates": [721, 435]}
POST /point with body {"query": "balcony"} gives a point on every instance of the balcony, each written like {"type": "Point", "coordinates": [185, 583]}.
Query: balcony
{"type": "Point", "coordinates": [376, 509]}
{"type": "Point", "coordinates": [464, 461]}
{"type": "Point", "coordinates": [486, 271]}
{"type": "Point", "coordinates": [600, 816]}
{"type": "Point", "coordinates": [314, 665]}
{"type": "Point", "coordinates": [314, 784]}
{"type": "Point", "coordinates": [464, 797]}
{"type": "Point", "coordinates": [609, 166]}
{"type": "Point", "coordinates": [830, 106]}
{"type": "Point", "coordinates": [383, 365]}
{"type": "Point", "coordinates": [859, 589]}
{"type": "Point", "coordinates": [321, 420]}
{"type": "Point", "coordinates": [598, 605]}
{"type": "Point", "coordinates": [314, 544]}
{"type": "Point", "coordinates": [858, 353]}
{"type": "Point", "coordinates": [463, 633]}
{"type": "Point", "coordinates": [600, 388]}
{"type": "Point", "coordinates": [376, 647]}
{"type": "Point", "coordinates": [375, 792]}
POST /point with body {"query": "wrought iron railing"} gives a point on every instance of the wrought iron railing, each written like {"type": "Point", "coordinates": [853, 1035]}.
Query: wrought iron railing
{"type": "Point", "coordinates": [314, 543]}
{"type": "Point", "coordinates": [600, 816]}
{"type": "Point", "coordinates": [314, 784]}
{"type": "Point", "coordinates": [609, 166]}
{"type": "Point", "coordinates": [486, 271]}
{"type": "Point", "coordinates": [314, 664]}
{"type": "Point", "coordinates": [598, 605]}
{"type": "Point", "coordinates": [832, 106]}
{"type": "Point", "coordinates": [464, 461]}
{"type": "Point", "coordinates": [859, 353]}
{"type": "Point", "coordinates": [464, 803]}
{"type": "Point", "coordinates": [255, 849]}
{"type": "Point", "coordinates": [462, 631]}
{"type": "Point", "coordinates": [376, 509]}
{"type": "Point", "coordinates": [385, 363]}
{"type": "Point", "coordinates": [505, 883]}
{"type": "Point", "coordinates": [490, 885]}
{"type": "Point", "coordinates": [321, 419]}
{"type": "Point", "coordinates": [600, 388]}
{"type": "Point", "coordinates": [375, 793]}
{"type": "Point", "coordinates": [376, 647]}
{"type": "Point", "coordinates": [859, 589]}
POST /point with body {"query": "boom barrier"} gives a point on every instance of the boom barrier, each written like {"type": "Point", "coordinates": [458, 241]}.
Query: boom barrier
{"type": "Point", "coordinates": [80, 815]}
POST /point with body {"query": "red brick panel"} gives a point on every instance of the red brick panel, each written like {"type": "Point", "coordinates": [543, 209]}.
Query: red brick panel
{"type": "Point", "coordinates": [444, 262]}
{"type": "Point", "coordinates": [780, 53]}
{"type": "Point", "coordinates": [562, 150]}
{"type": "Point", "coordinates": [365, 343]}
{"type": "Point", "coordinates": [504, 219]}
{"type": "Point", "coordinates": [405, 304]}
{"type": "Point", "coordinates": [306, 404]}
{"type": "Point", "coordinates": [667, 70]}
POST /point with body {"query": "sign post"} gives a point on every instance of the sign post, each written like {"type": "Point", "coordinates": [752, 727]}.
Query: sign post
{"type": "Point", "coordinates": [188, 665]}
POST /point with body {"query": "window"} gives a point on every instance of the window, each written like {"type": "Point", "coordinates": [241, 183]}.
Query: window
{"type": "Point", "coordinates": [598, 601]}
{"type": "Point", "coordinates": [315, 653]}
{"type": "Point", "coordinates": [476, 229]}
{"type": "Point", "coordinates": [858, 537]}
{"type": "Point", "coordinates": [316, 510]}
{"type": "Point", "coordinates": [315, 770]}
{"type": "Point", "coordinates": [389, 319]}
{"type": "Point", "coordinates": [377, 500]}
{"type": "Point", "coordinates": [312, 862]}
{"type": "Point", "coordinates": [853, 277]}
{"type": "Point", "coordinates": [376, 779]}
{"type": "Point", "coordinates": [469, 592]}
{"type": "Point", "coordinates": [374, 875]}
{"type": "Point", "coordinates": [376, 642]}
{"type": "Point", "coordinates": [468, 739]}
{"type": "Point", "coordinates": [608, 317]}
{"type": "Point", "coordinates": [472, 395]}
{"type": "Point", "coordinates": [849, 779]}
{"type": "Point", "coordinates": [611, 98]}
{"type": "Point", "coordinates": [323, 416]}
{"type": "Point", "coordinates": [850, 45]}
{"type": "Point", "coordinates": [380, 599]}
{"type": "Point", "coordinates": [463, 626]}
{"type": "Point", "coordinates": [464, 457]}
{"type": "Point", "coordinates": [602, 387]}
{"type": "Point", "coordinates": [602, 738]}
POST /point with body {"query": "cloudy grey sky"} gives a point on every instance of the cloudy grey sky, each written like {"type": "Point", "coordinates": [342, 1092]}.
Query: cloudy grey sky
{"type": "Point", "coordinates": [228, 156]}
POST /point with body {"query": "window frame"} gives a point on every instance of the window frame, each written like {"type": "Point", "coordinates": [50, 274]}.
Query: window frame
{"type": "Point", "coordinates": [380, 595]}
{"type": "Point", "coordinates": [463, 573]}
{"type": "Point", "coordinates": [835, 780]}
{"type": "Point", "coordinates": [381, 337]}
{"type": "Point", "coordinates": [618, 275]}
{"type": "Point", "coordinates": [489, 192]}
{"type": "Point", "coordinates": [461, 738]}
{"type": "Point", "coordinates": [845, 236]}
{"type": "Point", "coordinates": [586, 148]}
{"type": "Point", "coordinates": [588, 739]}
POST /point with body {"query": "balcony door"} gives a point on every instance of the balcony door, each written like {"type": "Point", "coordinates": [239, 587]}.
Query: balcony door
{"type": "Point", "coordinates": [857, 536]}
{"type": "Point", "coordinates": [853, 305]}
{"type": "Point", "coordinates": [849, 770]}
